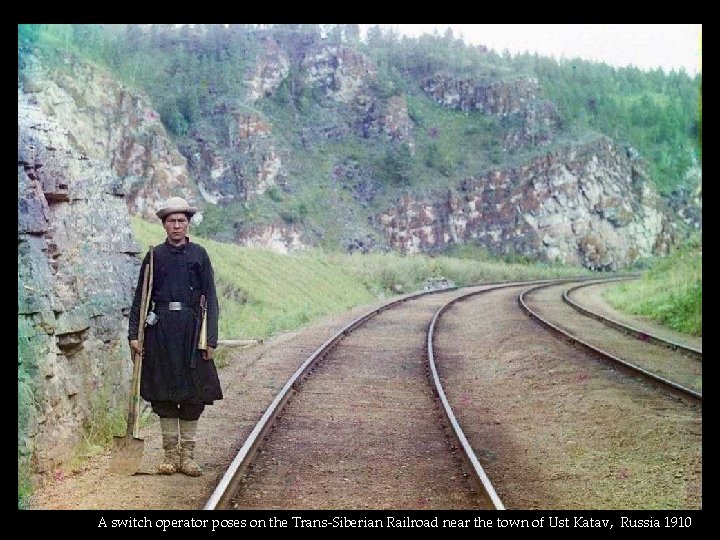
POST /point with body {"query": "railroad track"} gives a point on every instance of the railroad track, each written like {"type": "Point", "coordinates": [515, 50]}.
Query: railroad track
{"type": "Point", "coordinates": [357, 425]}
{"type": "Point", "coordinates": [554, 427]}
{"type": "Point", "coordinates": [668, 364]}
{"type": "Point", "coordinates": [363, 428]}
{"type": "Point", "coordinates": [641, 334]}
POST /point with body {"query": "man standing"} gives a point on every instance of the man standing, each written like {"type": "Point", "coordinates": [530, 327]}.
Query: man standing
{"type": "Point", "coordinates": [178, 379]}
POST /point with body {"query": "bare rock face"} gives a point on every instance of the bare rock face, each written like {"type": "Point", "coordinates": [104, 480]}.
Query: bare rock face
{"type": "Point", "coordinates": [396, 120]}
{"type": "Point", "coordinates": [238, 159]}
{"type": "Point", "coordinates": [114, 125]}
{"type": "Point", "coordinates": [272, 67]}
{"type": "Point", "coordinates": [346, 76]}
{"type": "Point", "coordinates": [387, 119]}
{"type": "Point", "coordinates": [685, 200]}
{"type": "Point", "coordinates": [278, 237]}
{"type": "Point", "coordinates": [243, 168]}
{"type": "Point", "coordinates": [529, 119]}
{"type": "Point", "coordinates": [77, 268]}
{"type": "Point", "coordinates": [587, 205]}
{"type": "Point", "coordinates": [339, 71]}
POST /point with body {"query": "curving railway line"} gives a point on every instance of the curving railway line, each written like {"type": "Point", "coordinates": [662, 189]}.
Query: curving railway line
{"type": "Point", "coordinates": [362, 430]}
{"type": "Point", "coordinates": [644, 332]}
{"type": "Point", "coordinates": [554, 426]}
{"type": "Point", "coordinates": [366, 421]}
{"type": "Point", "coordinates": [662, 361]}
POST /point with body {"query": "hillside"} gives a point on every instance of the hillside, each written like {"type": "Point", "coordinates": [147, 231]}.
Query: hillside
{"type": "Point", "coordinates": [291, 136]}
{"type": "Point", "coordinates": [262, 293]}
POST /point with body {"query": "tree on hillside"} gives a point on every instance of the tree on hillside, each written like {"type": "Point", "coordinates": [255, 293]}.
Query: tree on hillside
{"type": "Point", "coordinates": [351, 34]}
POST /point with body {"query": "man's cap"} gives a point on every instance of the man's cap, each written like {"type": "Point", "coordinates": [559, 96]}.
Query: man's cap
{"type": "Point", "coordinates": [175, 205]}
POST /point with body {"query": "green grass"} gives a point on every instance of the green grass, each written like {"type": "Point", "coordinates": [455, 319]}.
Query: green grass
{"type": "Point", "coordinates": [387, 274]}
{"type": "Point", "coordinates": [451, 143]}
{"type": "Point", "coordinates": [262, 293]}
{"type": "Point", "coordinates": [670, 292]}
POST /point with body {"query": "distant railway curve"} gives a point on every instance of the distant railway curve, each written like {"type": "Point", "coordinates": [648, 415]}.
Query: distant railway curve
{"type": "Point", "coordinates": [671, 367]}
{"type": "Point", "coordinates": [641, 334]}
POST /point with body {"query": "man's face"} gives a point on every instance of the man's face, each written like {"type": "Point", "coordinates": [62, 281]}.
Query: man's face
{"type": "Point", "coordinates": [176, 226]}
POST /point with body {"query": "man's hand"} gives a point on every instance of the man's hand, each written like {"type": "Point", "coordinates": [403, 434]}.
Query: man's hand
{"type": "Point", "coordinates": [209, 353]}
{"type": "Point", "coordinates": [135, 348]}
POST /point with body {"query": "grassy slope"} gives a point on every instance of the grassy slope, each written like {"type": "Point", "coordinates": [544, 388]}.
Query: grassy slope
{"type": "Point", "coordinates": [671, 292]}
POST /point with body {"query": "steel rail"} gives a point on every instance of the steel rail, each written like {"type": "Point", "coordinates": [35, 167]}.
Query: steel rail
{"type": "Point", "coordinates": [234, 473]}
{"type": "Point", "coordinates": [603, 354]}
{"type": "Point", "coordinates": [626, 328]}
{"type": "Point", "coordinates": [230, 481]}
{"type": "Point", "coordinates": [478, 473]}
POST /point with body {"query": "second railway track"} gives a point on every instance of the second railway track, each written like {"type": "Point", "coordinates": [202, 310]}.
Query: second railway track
{"type": "Point", "coordinates": [554, 427]}
{"type": "Point", "coordinates": [669, 366]}
{"type": "Point", "coordinates": [646, 331]}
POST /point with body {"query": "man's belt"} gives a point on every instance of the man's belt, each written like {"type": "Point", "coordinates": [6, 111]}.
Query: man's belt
{"type": "Point", "coordinates": [173, 306]}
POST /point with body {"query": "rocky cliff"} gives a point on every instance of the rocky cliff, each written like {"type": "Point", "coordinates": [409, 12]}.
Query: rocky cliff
{"type": "Point", "coordinates": [530, 119]}
{"type": "Point", "coordinates": [109, 123]}
{"type": "Point", "coordinates": [588, 205]}
{"type": "Point", "coordinates": [77, 261]}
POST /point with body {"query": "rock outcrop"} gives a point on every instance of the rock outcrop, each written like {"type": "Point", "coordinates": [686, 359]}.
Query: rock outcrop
{"type": "Point", "coordinates": [77, 268]}
{"type": "Point", "coordinates": [270, 70]}
{"type": "Point", "coordinates": [340, 72]}
{"type": "Point", "coordinates": [529, 119]}
{"type": "Point", "coordinates": [278, 237]}
{"type": "Point", "coordinates": [115, 126]}
{"type": "Point", "coordinates": [242, 167]}
{"type": "Point", "coordinates": [587, 205]}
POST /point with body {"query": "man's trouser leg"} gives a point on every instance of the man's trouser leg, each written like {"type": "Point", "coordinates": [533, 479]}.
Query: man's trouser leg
{"type": "Point", "coordinates": [189, 414]}
{"type": "Point", "coordinates": [170, 443]}
{"type": "Point", "coordinates": [188, 437]}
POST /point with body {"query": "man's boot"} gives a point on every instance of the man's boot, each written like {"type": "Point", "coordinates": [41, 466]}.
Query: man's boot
{"type": "Point", "coordinates": [188, 434]}
{"type": "Point", "coordinates": [170, 440]}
